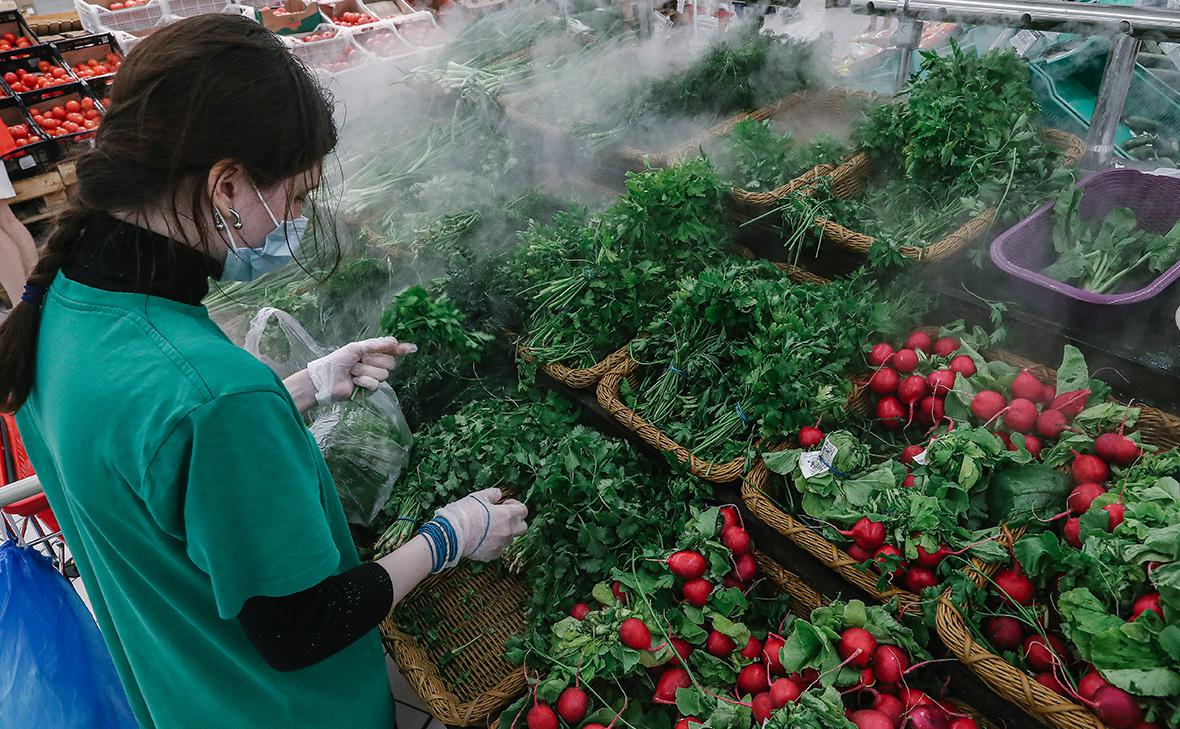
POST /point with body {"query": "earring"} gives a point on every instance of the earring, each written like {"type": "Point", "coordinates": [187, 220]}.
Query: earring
{"type": "Point", "coordinates": [218, 220]}
{"type": "Point", "coordinates": [237, 219]}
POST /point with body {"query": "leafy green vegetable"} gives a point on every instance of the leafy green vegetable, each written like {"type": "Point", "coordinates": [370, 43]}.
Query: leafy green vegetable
{"type": "Point", "coordinates": [755, 157]}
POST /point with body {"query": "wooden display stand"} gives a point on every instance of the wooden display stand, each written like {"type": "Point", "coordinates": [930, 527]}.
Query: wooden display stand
{"type": "Point", "coordinates": [38, 199]}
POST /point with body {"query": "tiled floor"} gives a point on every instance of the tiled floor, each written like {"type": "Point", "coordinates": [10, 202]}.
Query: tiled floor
{"type": "Point", "coordinates": [410, 714]}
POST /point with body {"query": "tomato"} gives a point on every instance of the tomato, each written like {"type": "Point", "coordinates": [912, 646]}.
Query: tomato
{"type": "Point", "coordinates": [58, 112]}
{"type": "Point", "coordinates": [91, 114]}
{"type": "Point", "coordinates": [44, 66]}
{"type": "Point", "coordinates": [87, 102]}
{"type": "Point", "coordinates": [43, 83]}
{"type": "Point", "coordinates": [48, 123]}
{"type": "Point", "coordinates": [117, 6]}
{"type": "Point", "coordinates": [8, 38]}
{"type": "Point", "coordinates": [19, 130]}
{"type": "Point", "coordinates": [73, 105]}
{"type": "Point", "coordinates": [90, 124]}
{"type": "Point", "coordinates": [10, 78]}
{"type": "Point", "coordinates": [75, 117]}
{"type": "Point", "coordinates": [58, 72]}
{"type": "Point", "coordinates": [71, 127]}
{"type": "Point", "coordinates": [24, 43]}
{"type": "Point", "coordinates": [34, 139]}
{"type": "Point", "coordinates": [19, 88]}
{"type": "Point", "coordinates": [5, 46]}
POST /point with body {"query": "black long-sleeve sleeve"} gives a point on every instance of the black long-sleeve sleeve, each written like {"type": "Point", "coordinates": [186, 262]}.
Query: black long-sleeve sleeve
{"type": "Point", "coordinates": [299, 630]}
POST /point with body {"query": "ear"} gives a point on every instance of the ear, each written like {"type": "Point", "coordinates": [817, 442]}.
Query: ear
{"type": "Point", "coordinates": [225, 179]}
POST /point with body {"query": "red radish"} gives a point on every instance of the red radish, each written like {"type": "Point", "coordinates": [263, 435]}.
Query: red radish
{"type": "Point", "coordinates": [1071, 403]}
{"type": "Point", "coordinates": [688, 564]}
{"type": "Point", "coordinates": [616, 589]}
{"type": "Point", "coordinates": [772, 653]}
{"type": "Point", "coordinates": [1050, 682]}
{"type": "Point", "coordinates": [1051, 423]}
{"type": "Point", "coordinates": [909, 481]}
{"type": "Point", "coordinates": [913, 698]}
{"type": "Point", "coordinates": [930, 560]}
{"type": "Point", "coordinates": [884, 381]}
{"type": "Point", "coordinates": [1072, 531]}
{"type": "Point", "coordinates": [752, 650]}
{"type": "Point", "coordinates": [857, 646]}
{"type": "Point", "coordinates": [880, 354]}
{"type": "Point", "coordinates": [870, 719]}
{"type": "Point", "coordinates": [866, 534]}
{"type": "Point", "coordinates": [963, 365]}
{"type": "Point", "coordinates": [1003, 632]}
{"type": "Point", "coordinates": [808, 676]}
{"type": "Point", "coordinates": [946, 346]}
{"type": "Point", "coordinates": [912, 389]}
{"type": "Point", "coordinates": [885, 551]}
{"type": "Point", "coordinates": [1117, 708]}
{"type": "Point", "coordinates": [634, 634]}
{"type": "Point", "coordinates": [931, 411]}
{"type": "Point", "coordinates": [918, 341]}
{"type": "Point", "coordinates": [752, 679]}
{"type": "Point", "coordinates": [890, 412]}
{"type": "Point", "coordinates": [928, 716]}
{"type": "Point", "coordinates": [890, 706]}
{"type": "Point", "coordinates": [737, 539]}
{"type": "Point", "coordinates": [1014, 586]}
{"type": "Point", "coordinates": [1089, 469]}
{"type": "Point", "coordinates": [682, 648]}
{"type": "Point", "coordinates": [579, 611]}
{"type": "Point", "coordinates": [697, 592]}
{"type": "Point", "coordinates": [941, 382]}
{"type": "Point", "coordinates": [1040, 655]}
{"type": "Point", "coordinates": [1115, 513]}
{"type": "Point", "coordinates": [572, 705]}
{"type": "Point", "coordinates": [1021, 415]}
{"type": "Point", "coordinates": [762, 707]}
{"type": "Point", "coordinates": [1147, 603]}
{"type": "Point", "coordinates": [987, 405]}
{"type": "Point", "coordinates": [746, 568]}
{"type": "Point", "coordinates": [890, 663]}
{"type": "Point", "coordinates": [686, 723]}
{"type": "Point", "coordinates": [919, 578]}
{"type": "Point", "coordinates": [1027, 386]}
{"type": "Point", "coordinates": [731, 581]}
{"type": "Point", "coordinates": [1049, 394]}
{"type": "Point", "coordinates": [729, 516]}
{"type": "Point", "coordinates": [1090, 683]}
{"type": "Point", "coordinates": [783, 691]}
{"type": "Point", "coordinates": [1147, 725]}
{"type": "Point", "coordinates": [1033, 445]}
{"type": "Point", "coordinates": [1082, 496]}
{"type": "Point", "coordinates": [1006, 440]}
{"type": "Point", "coordinates": [669, 681]}
{"type": "Point", "coordinates": [719, 644]}
{"type": "Point", "coordinates": [810, 437]}
{"type": "Point", "coordinates": [860, 555]}
{"type": "Point", "coordinates": [1116, 448]}
{"type": "Point", "coordinates": [905, 361]}
{"type": "Point", "coordinates": [541, 717]}
{"type": "Point", "coordinates": [909, 452]}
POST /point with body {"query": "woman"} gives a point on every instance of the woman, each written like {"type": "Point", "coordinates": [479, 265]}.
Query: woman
{"type": "Point", "coordinates": [206, 527]}
{"type": "Point", "coordinates": [18, 253]}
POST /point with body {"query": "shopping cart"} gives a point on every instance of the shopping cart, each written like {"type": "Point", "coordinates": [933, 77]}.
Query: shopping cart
{"type": "Point", "coordinates": [27, 519]}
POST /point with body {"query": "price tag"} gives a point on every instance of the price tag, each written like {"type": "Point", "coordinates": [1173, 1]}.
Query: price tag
{"type": "Point", "coordinates": [1024, 41]}
{"type": "Point", "coordinates": [27, 162]}
{"type": "Point", "coordinates": [812, 463]}
{"type": "Point", "coordinates": [920, 459]}
{"type": "Point", "coordinates": [828, 451]}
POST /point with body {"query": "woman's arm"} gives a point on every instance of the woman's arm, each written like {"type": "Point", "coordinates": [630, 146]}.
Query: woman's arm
{"type": "Point", "coordinates": [302, 391]}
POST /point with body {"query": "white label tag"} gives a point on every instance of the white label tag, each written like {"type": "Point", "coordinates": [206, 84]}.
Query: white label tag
{"type": "Point", "coordinates": [1024, 40]}
{"type": "Point", "coordinates": [828, 451]}
{"type": "Point", "coordinates": [920, 458]}
{"type": "Point", "coordinates": [812, 464]}
{"type": "Point", "coordinates": [26, 162]}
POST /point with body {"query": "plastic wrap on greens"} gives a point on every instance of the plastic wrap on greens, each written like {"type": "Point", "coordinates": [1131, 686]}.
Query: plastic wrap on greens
{"type": "Point", "coordinates": [366, 444]}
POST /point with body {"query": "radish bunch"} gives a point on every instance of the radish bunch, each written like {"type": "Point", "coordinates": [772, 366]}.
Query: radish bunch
{"type": "Point", "coordinates": [910, 387]}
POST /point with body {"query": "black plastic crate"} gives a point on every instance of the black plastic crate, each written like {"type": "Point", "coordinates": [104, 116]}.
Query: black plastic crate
{"type": "Point", "coordinates": [90, 56]}
{"type": "Point", "coordinates": [27, 160]}
{"type": "Point", "coordinates": [43, 110]}
{"type": "Point", "coordinates": [100, 89]}
{"type": "Point", "coordinates": [21, 70]}
{"type": "Point", "coordinates": [13, 24]}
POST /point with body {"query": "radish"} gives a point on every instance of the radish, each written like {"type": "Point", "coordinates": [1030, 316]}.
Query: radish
{"type": "Point", "coordinates": [919, 341]}
{"type": "Point", "coordinates": [1117, 708]}
{"type": "Point", "coordinates": [912, 389]}
{"type": "Point", "coordinates": [910, 481]}
{"type": "Point", "coordinates": [719, 645]}
{"type": "Point", "coordinates": [752, 650]}
{"type": "Point", "coordinates": [752, 679]}
{"type": "Point", "coordinates": [697, 592]}
{"type": "Point", "coordinates": [963, 365]}
{"type": "Point", "coordinates": [1089, 469]}
{"type": "Point", "coordinates": [858, 554]}
{"type": "Point", "coordinates": [762, 707]}
{"type": "Point", "coordinates": [635, 635]}
{"type": "Point", "coordinates": [1021, 415]}
{"type": "Point", "coordinates": [783, 691]}
{"type": "Point", "coordinates": [1049, 395]}
{"type": "Point", "coordinates": [905, 361]}
{"type": "Point", "coordinates": [909, 452]}
{"type": "Point", "coordinates": [541, 717]}
{"type": "Point", "coordinates": [890, 663]}
{"type": "Point", "coordinates": [946, 346]}
{"type": "Point", "coordinates": [807, 676]}
{"type": "Point", "coordinates": [688, 564]}
{"type": "Point", "coordinates": [1147, 603]}
{"type": "Point", "coordinates": [857, 646]}
{"type": "Point", "coordinates": [866, 534]}
{"type": "Point", "coordinates": [1027, 386]}
{"type": "Point", "coordinates": [890, 706]}
{"type": "Point", "coordinates": [930, 560]}
{"type": "Point", "coordinates": [928, 716]}
{"type": "Point", "coordinates": [1051, 423]}
{"type": "Point", "coordinates": [579, 611]}
{"type": "Point", "coordinates": [987, 405]}
{"type": "Point", "coordinates": [931, 411]}
{"type": "Point", "coordinates": [1090, 683]}
{"type": "Point", "coordinates": [810, 437]}
{"type": "Point", "coordinates": [913, 698]}
{"type": "Point", "coordinates": [1072, 531]}
{"type": "Point", "coordinates": [963, 722]}
{"type": "Point", "coordinates": [731, 581]}
{"type": "Point", "coordinates": [1006, 440]}
{"type": "Point", "coordinates": [880, 354]}
{"type": "Point", "coordinates": [884, 381]}
{"type": "Point", "coordinates": [746, 568]}
{"type": "Point", "coordinates": [616, 589]}
{"type": "Point", "coordinates": [1050, 682]}
{"type": "Point", "coordinates": [730, 516]}
{"type": "Point", "coordinates": [919, 578]}
{"type": "Point", "coordinates": [689, 722]}
{"type": "Point", "coordinates": [572, 705]}
{"type": "Point", "coordinates": [1014, 586]}
{"type": "Point", "coordinates": [1082, 496]}
{"type": "Point", "coordinates": [1003, 632]}
{"type": "Point", "coordinates": [888, 550]}
{"type": "Point", "coordinates": [1116, 449]}
{"type": "Point", "coordinates": [890, 412]}
{"type": "Point", "coordinates": [941, 382]}
{"type": "Point", "coordinates": [1071, 403]}
{"type": "Point", "coordinates": [669, 681]}
{"type": "Point", "coordinates": [1115, 513]}
{"type": "Point", "coordinates": [1033, 445]}
{"type": "Point", "coordinates": [737, 539]}
{"type": "Point", "coordinates": [682, 648]}
{"type": "Point", "coordinates": [870, 719]}
{"type": "Point", "coordinates": [1040, 655]}
{"type": "Point", "coordinates": [772, 653]}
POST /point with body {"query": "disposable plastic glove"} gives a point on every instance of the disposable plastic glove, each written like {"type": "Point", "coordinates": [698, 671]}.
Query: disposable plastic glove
{"type": "Point", "coordinates": [484, 525]}
{"type": "Point", "coordinates": [361, 364]}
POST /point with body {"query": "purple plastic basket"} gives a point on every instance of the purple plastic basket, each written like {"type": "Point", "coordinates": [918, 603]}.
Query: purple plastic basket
{"type": "Point", "coordinates": [1027, 248]}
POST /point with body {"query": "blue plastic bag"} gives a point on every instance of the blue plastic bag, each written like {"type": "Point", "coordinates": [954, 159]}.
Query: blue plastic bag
{"type": "Point", "coordinates": [57, 671]}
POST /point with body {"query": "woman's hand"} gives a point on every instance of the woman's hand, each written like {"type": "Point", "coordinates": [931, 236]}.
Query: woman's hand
{"type": "Point", "coordinates": [361, 364]}
{"type": "Point", "coordinates": [484, 524]}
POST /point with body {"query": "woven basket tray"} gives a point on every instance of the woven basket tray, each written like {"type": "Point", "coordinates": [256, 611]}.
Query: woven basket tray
{"type": "Point", "coordinates": [850, 179]}
{"type": "Point", "coordinates": [610, 398]}
{"type": "Point", "coordinates": [581, 378]}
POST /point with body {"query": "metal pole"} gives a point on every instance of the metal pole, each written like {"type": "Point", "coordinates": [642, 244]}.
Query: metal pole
{"type": "Point", "coordinates": [18, 490]}
{"type": "Point", "coordinates": [1112, 98]}
{"type": "Point", "coordinates": [907, 37]}
{"type": "Point", "coordinates": [644, 9]}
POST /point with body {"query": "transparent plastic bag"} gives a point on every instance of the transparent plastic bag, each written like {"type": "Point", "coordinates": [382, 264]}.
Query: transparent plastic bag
{"type": "Point", "coordinates": [365, 441]}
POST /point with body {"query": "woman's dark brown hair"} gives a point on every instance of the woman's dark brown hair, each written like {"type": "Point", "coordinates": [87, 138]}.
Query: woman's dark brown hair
{"type": "Point", "coordinates": [200, 91]}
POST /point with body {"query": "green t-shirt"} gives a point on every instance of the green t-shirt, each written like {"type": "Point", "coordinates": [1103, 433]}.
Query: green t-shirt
{"type": "Point", "coordinates": [185, 483]}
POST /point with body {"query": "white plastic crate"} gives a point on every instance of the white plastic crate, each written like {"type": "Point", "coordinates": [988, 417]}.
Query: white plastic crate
{"type": "Point", "coordinates": [419, 29]}
{"type": "Point", "coordinates": [382, 40]}
{"type": "Point", "coordinates": [190, 8]}
{"type": "Point", "coordinates": [326, 53]}
{"type": "Point", "coordinates": [98, 18]}
{"type": "Point", "coordinates": [333, 9]}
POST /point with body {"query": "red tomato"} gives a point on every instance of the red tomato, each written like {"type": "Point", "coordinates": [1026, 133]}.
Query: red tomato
{"type": "Point", "coordinates": [87, 102]}
{"type": "Point", "coordinates": [117, 6]}
{"type": "Point", "coordinates": [19, 130]}
{"type": "Point", "coordinates": [33, 139]}
{"type": "Point", "coordinates": [58, 71]}
{"type": "Point", "coordinates": [58, 112]}
{"type": "Point", "coordinates": [42, 82]}
{"type": "Point", "coordinates": [10, 78]}
{"type": "Point", "coordinates": [9, 37]}
{"type": "Point", "coordinates": [48, 123]}
{"type": "Point", "coordinates": [75, 117]}
{"type": "Point", "coordinates": [5, 46]}
{"type": "Point", "coordinates": [91, 114]}
{"type": "Point", "coordinates": [24, 43]}
{"type": "Point", "coordinates": [44, 66]}
{"type": "Point", "coordinates": [71, 127]}
{"type": "Point", "coordinates": [73, 105]}
{"type": "Point", "coordinates": [19, 88]}
{"type": "Point", "coordinates": [90, 124]}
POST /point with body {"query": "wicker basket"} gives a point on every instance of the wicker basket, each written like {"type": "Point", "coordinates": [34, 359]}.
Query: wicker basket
{"type": "Point", "coordinates": [610, 398]}
{"type": "Point", "coordinates": [582, 378]}
{"type": "Point", "coordinates": [850, 179]}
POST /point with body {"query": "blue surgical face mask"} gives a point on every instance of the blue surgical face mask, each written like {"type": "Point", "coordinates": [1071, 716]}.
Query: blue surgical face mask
{"type": "Point", "coordinates": [243, 263]}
